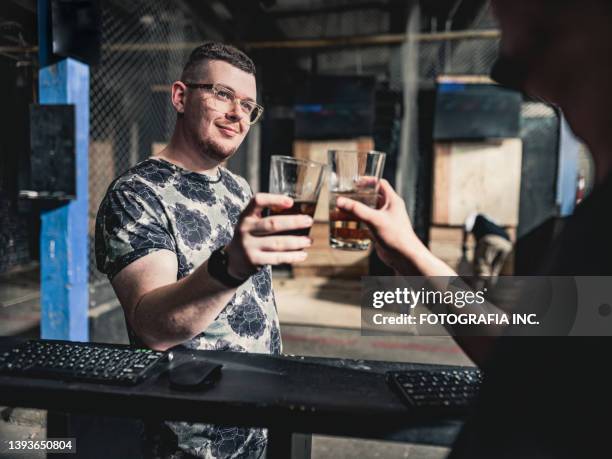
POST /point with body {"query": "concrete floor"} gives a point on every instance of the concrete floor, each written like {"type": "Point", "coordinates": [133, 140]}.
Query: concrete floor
{"type": "Point", "coordinates": [318, 317]}
{"type": "Point", "coordinates": [21, 424]}
{"type": "Point", "coordinates": [349, 343]}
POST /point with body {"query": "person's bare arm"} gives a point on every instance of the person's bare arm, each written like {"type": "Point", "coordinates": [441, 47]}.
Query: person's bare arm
{"type": "Point", "coordinates": [164, 312]}
{"type": "Point", "coordinates": [399, 247]}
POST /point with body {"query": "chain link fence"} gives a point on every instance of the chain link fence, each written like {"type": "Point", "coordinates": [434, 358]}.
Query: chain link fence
{"type": "Point", "coordinates": [466, 56]}
{"type": "Point", "coordinates": [143, 51]}
{"type": "Point", "coordinates": [145, 43]}
{"type": "Point", "coordinates": [472, 55]}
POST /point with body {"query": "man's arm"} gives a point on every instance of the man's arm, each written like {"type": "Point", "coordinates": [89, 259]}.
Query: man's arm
{"type": "Point", "coordinates": [164, 312]}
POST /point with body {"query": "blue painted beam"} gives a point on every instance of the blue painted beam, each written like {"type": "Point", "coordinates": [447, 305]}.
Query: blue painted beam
{"type": "Point", "coordinates": [64, 231]}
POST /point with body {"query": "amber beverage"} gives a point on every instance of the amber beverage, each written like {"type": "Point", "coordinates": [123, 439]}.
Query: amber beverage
{"type": "Point", "coordinates": [298, 207]}
{"type": "Point", "coordinates": [345, 232]}
{"type": "Point", "coordinates": [354, 175]}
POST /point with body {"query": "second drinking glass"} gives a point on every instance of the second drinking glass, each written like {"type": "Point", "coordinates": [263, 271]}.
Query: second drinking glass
{"type": "Point", "coordinates": [355, 175]}
{"type": "Point", "coordinates": [299, 179]}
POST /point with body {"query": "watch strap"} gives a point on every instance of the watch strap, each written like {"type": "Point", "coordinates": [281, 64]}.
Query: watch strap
{"type": "Point", "coordinates": [217, 268]}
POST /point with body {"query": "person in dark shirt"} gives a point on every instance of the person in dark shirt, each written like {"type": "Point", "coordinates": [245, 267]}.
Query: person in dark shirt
{"type": "Point", "coordinates": [543, 397]}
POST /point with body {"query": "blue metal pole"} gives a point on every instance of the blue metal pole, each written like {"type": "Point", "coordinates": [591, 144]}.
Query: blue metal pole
{"type": "Point", "coordinates": [64, 230]}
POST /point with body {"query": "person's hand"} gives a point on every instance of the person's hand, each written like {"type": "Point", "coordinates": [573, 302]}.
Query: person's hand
{"type": "Point", "coordinates": [254, 243]}
{"type": "Point", "coordinates": [394, 239]}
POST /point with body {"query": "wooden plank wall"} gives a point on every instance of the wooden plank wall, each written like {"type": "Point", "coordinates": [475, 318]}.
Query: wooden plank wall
{"type": "Point", "coordinates": [477, 177]}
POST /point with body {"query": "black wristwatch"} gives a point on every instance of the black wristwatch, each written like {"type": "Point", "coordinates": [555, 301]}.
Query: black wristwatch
{"type": "Point", "coordinates": [217, 268]}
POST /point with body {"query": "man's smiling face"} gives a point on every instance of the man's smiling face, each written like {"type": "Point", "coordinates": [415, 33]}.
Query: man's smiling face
{"type": "Point", "coordinates": [218, 132]}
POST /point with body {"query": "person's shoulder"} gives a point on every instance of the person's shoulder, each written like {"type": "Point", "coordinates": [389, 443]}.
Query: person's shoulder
{"type": "Point", "coordinates": [226, 173]}
{"type": "Point", "coordinates": [144, 179]}
{"type": "Point", "coordinates": [152, 171]}
{"type": "Point", "coordinates": [236, 184]}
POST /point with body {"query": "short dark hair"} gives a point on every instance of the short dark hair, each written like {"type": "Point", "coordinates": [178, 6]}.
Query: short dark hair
{"type": "Point", "coordinates": [215, 51]}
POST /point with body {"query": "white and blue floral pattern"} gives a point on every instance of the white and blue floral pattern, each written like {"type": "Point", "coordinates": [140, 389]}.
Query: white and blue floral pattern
{"type": "Point", "coordinates": [157, 205]}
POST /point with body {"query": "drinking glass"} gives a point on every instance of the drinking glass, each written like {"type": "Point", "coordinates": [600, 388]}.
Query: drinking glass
{"type": "Point", "coordinates": [355, 175]}
{"type": "Point", "coordinates": [300, 179]}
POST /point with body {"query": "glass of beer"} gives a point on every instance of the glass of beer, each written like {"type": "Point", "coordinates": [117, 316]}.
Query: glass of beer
{"type": "Point", "coordinates": [300, 179]}
{"type": "Point", "coordinates": [355, 175]}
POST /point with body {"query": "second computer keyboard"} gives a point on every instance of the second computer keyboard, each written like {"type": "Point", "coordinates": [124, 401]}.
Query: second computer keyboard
{"type": "Point", "coordinates": [447, 389]}
{"type": "Point", "coordinates": [71, 361]}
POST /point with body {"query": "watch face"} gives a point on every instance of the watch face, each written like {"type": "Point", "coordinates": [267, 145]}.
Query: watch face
{"type": "Point", "coordinates": [217, 268]}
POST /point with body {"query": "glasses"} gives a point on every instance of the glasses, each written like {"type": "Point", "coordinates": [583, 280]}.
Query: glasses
{"type": "Point", "coordinates": [355, 175]}
{"type": "Point", "coordinates": [226, 99]}
{"type": "Point", "coordinates": [301, 180]}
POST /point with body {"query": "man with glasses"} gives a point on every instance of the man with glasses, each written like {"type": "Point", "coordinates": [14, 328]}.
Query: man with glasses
{"type": "Point", "coordinates": [186, 247]}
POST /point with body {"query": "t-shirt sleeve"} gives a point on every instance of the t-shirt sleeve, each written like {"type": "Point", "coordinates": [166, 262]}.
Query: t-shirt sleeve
{"type": "Point", "coordinates": [129, 226]}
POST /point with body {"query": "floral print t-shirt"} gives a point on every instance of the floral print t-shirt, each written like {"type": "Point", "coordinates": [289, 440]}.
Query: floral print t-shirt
{"type": "Point", "coordinates": [157, 205]}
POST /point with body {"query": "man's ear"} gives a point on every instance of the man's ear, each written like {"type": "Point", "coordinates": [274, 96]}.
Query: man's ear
{"type": "Point", "coordinates": [178, 96]}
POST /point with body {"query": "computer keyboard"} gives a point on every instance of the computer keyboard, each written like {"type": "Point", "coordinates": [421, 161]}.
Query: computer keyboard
{"type": "Point", "coordinates": [452, 389]}
{"type": "Point", "coordinates": [70, 361]}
